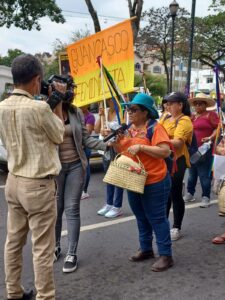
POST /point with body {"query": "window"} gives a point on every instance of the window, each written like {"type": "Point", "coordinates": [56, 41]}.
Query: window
{"type": "Point", "coordinates": [137, 67]}
{"type": "Point", "coordinates": [157, 69]}
{"type": "Point", "coordinates": [209, 80]}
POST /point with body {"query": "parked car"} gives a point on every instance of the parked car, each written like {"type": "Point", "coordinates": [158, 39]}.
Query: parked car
{"type": "Point", "coordinates": [3, 157]}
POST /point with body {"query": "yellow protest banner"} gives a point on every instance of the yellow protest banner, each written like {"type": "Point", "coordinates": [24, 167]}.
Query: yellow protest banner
{"type": "Point", "coordinates": [115, 46]}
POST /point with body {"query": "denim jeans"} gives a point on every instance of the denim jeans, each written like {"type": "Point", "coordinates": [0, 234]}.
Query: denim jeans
{"type": "Point", "coordinates": [203, 170]}
{"type": "Point", "coordinates": [150, 212]}
{"type": "Point", "coordinates": [70, 182]}
{"type": "Point", "coordinates": [176, 196]}
{"type": "Point", "coordinates": [88, 169]}
{"type": "Point", "coordinates": [114, 194]}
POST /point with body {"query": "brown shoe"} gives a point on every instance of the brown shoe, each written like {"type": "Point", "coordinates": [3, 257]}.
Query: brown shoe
{"type": "Point", "coordinates": [140, 256]}
{"type": "Point", "coordinates": [162, 264]}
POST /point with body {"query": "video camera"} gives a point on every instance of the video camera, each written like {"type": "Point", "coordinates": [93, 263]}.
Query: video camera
{"type": "Point", "coordinates": [56, 96]}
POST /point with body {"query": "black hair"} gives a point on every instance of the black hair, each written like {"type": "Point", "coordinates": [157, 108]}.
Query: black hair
{"type": "Point", "coordinates": [186, 110]}
{"type": "Point", "coordinates": [162, 106]}
{"type": "Point", "coordinates": [24, 68]}
{"type": "Point", "coordinates": [150, 115]}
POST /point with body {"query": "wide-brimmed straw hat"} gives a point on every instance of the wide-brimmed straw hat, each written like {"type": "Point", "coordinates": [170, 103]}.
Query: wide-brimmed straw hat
{"type": "Point", "coordinates": [202, 97]}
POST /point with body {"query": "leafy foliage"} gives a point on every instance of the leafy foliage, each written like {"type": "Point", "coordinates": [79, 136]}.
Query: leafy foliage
{"type": "Point", "coordinates": [209, 41]}
{"type": "Point", "coordinates": [218, 5]}
{"type": "Point", "coordinates": [7, 60]}
{"type": "Point", "coordinates": [26, 13]}
{"type": "Point", "coordinates": [157, 34]}
{"type": "Point", "coordinates": [58, 47]}
{"type": "Point", "coordinates": [155, 84]}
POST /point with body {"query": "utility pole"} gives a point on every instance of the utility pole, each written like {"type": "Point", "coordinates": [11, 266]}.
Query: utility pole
{"type": "Point", "coordinates": [173, 13]}
{"type": "Point", "coordinates": [187, 88]}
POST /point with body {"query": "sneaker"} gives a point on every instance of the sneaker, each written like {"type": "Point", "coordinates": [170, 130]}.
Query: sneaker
{"type": "Point", "coordinates": [221, 214]}
{"type": "Point", "coordinates": [205, 202]}
{"type": "Point", "coordinates": [114, 212]}
{"type": "Point", "coordinates": [57, 253]}
{"type": "Point", "coordinates": [84, 196]}
{"type": "Point", "coordinates": [104, 210]}
{"type": "Point", "coordinates": [70, 264]}
{"type": "Point", "coordinates": [189, 198]}
{"type": "Point", "coordinates": [175, 234]}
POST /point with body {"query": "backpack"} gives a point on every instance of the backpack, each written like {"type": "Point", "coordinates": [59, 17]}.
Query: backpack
{"type": "Point", "coordinates": [193, 146]}
{"type": "Point", "coordinates": [171, 159]}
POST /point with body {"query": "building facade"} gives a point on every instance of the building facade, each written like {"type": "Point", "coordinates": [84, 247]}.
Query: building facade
{"type": "Point", "coordinates": [6, 81]}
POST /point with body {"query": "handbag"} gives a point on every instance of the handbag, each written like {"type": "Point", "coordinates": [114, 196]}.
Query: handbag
{"type": "Point", "coordinates": [126, 176]}
{"type": "Point", "coordinates": [221, 199]}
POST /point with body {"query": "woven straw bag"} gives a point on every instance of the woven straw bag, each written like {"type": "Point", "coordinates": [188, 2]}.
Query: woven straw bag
{"type": "Point", "coordinates": [125, 176]}
{"type": "Point", "coordinates": [221, 199]}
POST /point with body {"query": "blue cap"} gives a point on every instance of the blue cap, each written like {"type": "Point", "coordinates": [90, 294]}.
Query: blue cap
{"type": "Point", "coordinates": [147, 101]}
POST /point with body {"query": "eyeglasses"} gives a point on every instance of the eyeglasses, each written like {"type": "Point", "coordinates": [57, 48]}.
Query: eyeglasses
{"type": "Point", "coordinates": [198, 103]}
{"type": "Point", "coordinates": [133, 109]}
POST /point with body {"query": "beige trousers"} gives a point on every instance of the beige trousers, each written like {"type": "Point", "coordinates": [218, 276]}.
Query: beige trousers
{"type": "Point", "coordinates": [31, 205]}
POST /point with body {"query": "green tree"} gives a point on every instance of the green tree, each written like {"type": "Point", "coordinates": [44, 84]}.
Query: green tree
{"type": "Point", "coordinates": [58, 47]}
{"type": "Point", "coordinates": [7, 60]}
{"type": "Point", "coordinates": [25, 14]}
{"type": "Point", "coordinates": [217, 5]}
{"type": "Point", "coordinates": [156, 84]}
{"type": "Point", "coordinates": [209, 41]}
{"type": "Point", "coordinates": [156, 36]}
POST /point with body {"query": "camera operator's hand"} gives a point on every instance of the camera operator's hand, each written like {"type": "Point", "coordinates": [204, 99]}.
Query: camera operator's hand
{"type": "Point", "coordinates": [61, 87]}
{"type": "Point", "coordinates": [56, 94]}
{"type": "Point", "coordinates": [57, 86]}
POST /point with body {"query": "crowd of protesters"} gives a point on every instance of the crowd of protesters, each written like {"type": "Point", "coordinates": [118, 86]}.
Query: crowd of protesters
{"type": "Point", "coordinates": [36, 178]}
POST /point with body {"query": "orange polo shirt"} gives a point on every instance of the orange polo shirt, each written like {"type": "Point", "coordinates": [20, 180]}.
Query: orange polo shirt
{"type": "Point", "coordinates": [155, 167]}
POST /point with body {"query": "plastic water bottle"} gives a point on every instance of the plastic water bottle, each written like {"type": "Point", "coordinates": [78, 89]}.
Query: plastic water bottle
{"type": "Point", "coordinates": [201, 151]}
{"type": "Point", "coordinates": [204, 147]}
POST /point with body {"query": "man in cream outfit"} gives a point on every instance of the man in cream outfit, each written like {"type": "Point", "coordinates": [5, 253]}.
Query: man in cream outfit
{"type": "Point", "coordinates": [30, 132]}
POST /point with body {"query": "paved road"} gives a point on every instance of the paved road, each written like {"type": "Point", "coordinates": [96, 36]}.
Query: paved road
{"type": "Point", "coordinates": [104, 270]}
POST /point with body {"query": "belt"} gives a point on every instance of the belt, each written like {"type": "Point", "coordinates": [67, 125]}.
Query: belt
{"type": "Point", "coordinates": [48, 177]}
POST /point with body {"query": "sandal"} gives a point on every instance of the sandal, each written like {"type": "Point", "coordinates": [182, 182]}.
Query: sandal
{"type": "Point", "coordinates": [219, 240]}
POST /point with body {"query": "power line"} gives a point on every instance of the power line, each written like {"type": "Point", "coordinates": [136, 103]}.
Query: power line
{"type": "Point", "coordinates": [88, 15]}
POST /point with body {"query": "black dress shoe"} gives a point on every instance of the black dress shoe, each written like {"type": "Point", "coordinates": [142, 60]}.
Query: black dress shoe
{"type": "Point", "coordinates": [26, 296]}
{"type": "Point", "coordinates": [162, 264]}
{"type": "Point", "coordinates": [140, 256]}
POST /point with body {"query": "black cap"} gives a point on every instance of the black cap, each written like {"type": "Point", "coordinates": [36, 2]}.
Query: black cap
{"type": "Point", "coordinates": [175, 97]}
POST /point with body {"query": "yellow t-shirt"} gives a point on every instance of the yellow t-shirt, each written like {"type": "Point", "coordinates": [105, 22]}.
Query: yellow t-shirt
{"type": "Point", "coordinates": [180, 128]}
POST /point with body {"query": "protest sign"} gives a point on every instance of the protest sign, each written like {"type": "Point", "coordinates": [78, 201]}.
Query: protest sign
{"type": "Point", "coordinates": [115, 46]}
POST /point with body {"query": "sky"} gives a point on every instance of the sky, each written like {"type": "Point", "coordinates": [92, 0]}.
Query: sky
{"type": "Point", "coordinates": [110, 12]}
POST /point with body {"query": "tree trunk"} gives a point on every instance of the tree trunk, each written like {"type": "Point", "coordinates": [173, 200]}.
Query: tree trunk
{"type": "Point", "coordinates": [135, 10]}
{"type": "Point", "coordinates": [94, 15]}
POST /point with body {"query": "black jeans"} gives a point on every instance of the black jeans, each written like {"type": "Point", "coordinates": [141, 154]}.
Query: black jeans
{"type": "Point", "coordinates": [176, 196]}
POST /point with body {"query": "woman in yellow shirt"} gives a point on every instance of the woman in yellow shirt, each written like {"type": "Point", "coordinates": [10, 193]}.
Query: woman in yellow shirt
{"type": "Point", "coordinates": [179, 128]}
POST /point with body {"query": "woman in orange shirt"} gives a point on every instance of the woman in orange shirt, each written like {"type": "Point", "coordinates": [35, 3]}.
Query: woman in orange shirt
{"type": "Point", "coordinates": [149, 208]}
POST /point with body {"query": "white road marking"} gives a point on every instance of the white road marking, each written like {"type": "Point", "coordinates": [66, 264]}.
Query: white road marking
{"type": "Point", "coordinates": [125, 219]}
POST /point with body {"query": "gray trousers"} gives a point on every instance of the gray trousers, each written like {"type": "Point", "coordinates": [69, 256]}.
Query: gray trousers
{"type": "Point", "coordinates": [70, 184]}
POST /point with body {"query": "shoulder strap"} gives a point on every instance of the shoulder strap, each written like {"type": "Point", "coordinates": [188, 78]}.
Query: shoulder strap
{"type": "Point", "coordinates": [177, 120]}
{"type": "Point", "coordinates": [165, 118]}
{"type": "Point", "coordinates": [150, 128]}
{"type": "Point", "coordinates": [19, 94]}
